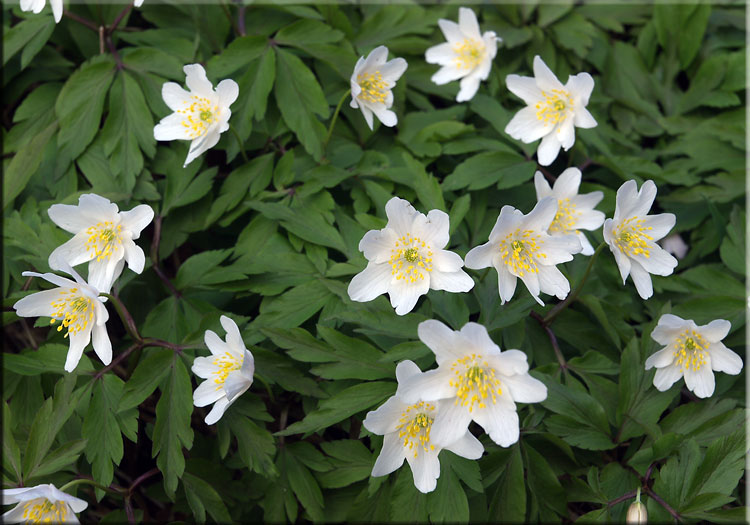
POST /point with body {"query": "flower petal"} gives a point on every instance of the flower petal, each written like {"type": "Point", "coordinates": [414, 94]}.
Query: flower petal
{"type": "Point", "coordinates": [548, 149]}
{"type": "Point", "coordinates": [386, 116]}
{"type": "Point", "coordinates": [201, 145]}
{"type": "Point", "coordinates": [101, 273]}
{"type": "Point", "coordinates": [553, 282]}
{"type": "Point", "coordinates": [137, 219]}
{"type": "Point", "coordinates": [385, 419]}
{"type": "Point", "coordinates": [583, 119]}
{"type": "Point", "coordinates": [586, 248]}
{"type": "Point", "coordinates": [531, 280]}
{"type": "Point", "coordinates": [580, 87]}
{"type": "Point", "coordinates": [171, 128]}
{"type": "Point", "coordinates": [405, 295]}
{"type": "Point", "coordinates": [645, 200]}
{"type": "Point", "coordinates": [542, 215]}
{"type": "Point", "coordinates": [525, 88]}
{"type": "Point", "coordinates": [666, 377]}
{"type": "Point", "coordinates": [203, 367]}
{"type": "Point", "coordinates": [217, 411]}
{"type": "Point", "coordinates": [78, 341]}
{"type": "Point", "coordinates": [446, 261]}
{"type": "Point", "coordinates": [701, 382]}
{"type": "Point", "coordinates": [440, 54]}
{"type": "Point", "coordinates": [207, 393]}
{"type": "Point", "coordinates": [659, 262]}
{"type": "Point", "coordinates": [559, 249]}
{"type": "Point", "coordinates": [566, 134]}
{"type": "Point", "coordinates": [467, 23]}
{"type": "Point", "coordinates": [481, 256]}
{"type": "Point", "coordinates": [467, 447]}
{"type": "Point", "coordinates": [451, 423]}
{"type": "Point", "coordinates": [506, 283]}
{"type": "Point", "coordinates": [525, 389]}
{"type": "Point", "coordinates": [542, 186]}
{"type": "Point", "coordinates": [451, 31]}
{"type": "Point", "coordinates": [174, 96]}
{"type": "Point", "coordinates": [545, 78]}
{"type": "Point", "coordinates": [426, 470]}
{"type": "Point", "coordinates": [400, 215]}
{"type": "Point", "coordinates": [641, 280]}
{"type": "Point", "coordinates": [510, 362]}
{"type": "Point", "coordinates": [526, 127]}
{"type": "Point", "coordinates": [393, 69]}
{"type": "Point", "coordinates": [500, 422]}
{"type": "Point", "coordinates": [625, 200]}
{"type": "Point", "coordinates": [235, 385]}
{"type": "Point", "coordinates": [716, 330]}
{"type": "Point", "coordinates": [134, 256]}
{"type": "Point", "coordinates": [371, 282]}
{"type": "Point", "coordinates": [724, 360]}
{"type": "Point", "coordinates": [391, 455]}
{"type": "Point", "coordinates": [215, 344]}
{"type": "Point", "coordinates": [377, 57]}
{"type": "Point", "coordinates": [478, 338]}
{"type": "Point", "coordinates": [469, 87]}
{"type": "Point", "coordinates": [444, 342]}
{"type": "Point", "coordinates": [427, 386]}
{"type": "Point", "coordinates": [196, 80]}
{"type": "Point", "coordinates": [660, 359]}
{"type": "Point", "coordinates": [376, 245]}
{"type": "Point", "coordinates": [234, 338]}
{"type": "Point", "coordinates": [38, 304]}
{"type": "Point", "coordinates": [102, 344]}
{"type": "Point", "coordinates": [454, 282]}
{"type": "Point", "coordinates": [228, 91]}
{"type": "Point", "coordinates": [433, 228]}
{"type": "Point", "coordinates": [589, 219]}
{"type": "Point", "coordinates": [660, 224]}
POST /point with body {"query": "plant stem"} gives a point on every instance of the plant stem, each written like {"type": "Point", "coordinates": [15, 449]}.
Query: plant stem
{"type": "Point", "coordinates": [88, 23]}
{"type": "Point", "coordinates": [119, 18]}
{"type": "Point", "coordinates": [663, 503]}
{"type": "Point", "coordinates": [87, 481]}
{"type": "Point", "coordinates": [155, 258]}
{"type": "Point", "coordinates": [624, 497]}
{"type": "Point", "coordinates": [572, 296]}
{"type": "Point", "coordinates": [239, 142]}
{"type": "Point", "coordinates": [127, 319]}
{"type": "Point", "coordinates": [552, 340]}
{"type": "Point", "coordinates": [333, 120]}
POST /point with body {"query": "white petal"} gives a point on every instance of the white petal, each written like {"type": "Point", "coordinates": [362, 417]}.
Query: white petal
{"type": "Point", "coordinates": [405, 295]}
{"type": "Point", "coordinates": [57, 9]}
{"type": "Point", "coordinates": [467, 23]}
{"type": "Point", "coordinates": [16, 514]}
{"type": "Point", "coordinates": [386, 116]}
{"type": "Point", "coordinates": [506, 283]}
{"type": "Point", "coordinates": [548, 149]}
{"type": "Point", "coordinates": [716, 330]}
{"type": "Point", "coordinates": [174, 96]}
{"type": "Point", "coordinates": [525, 389]}
{"type": "Point", "coordinates": [371, 282]}
{"type": "Point", "coordinates": [509, 220]}
{"type": "Point", "coordinates": [427, 386]}
{"type": "Point", "coordinates": [701, 382]}
{"type": "Point", "coordinates": [207, 392]}
{"type": "Point", "coordinates": [134, 256]}
{"type": "Point", "coordinates": [101, 273]}
{"type": "Point", "coordinates": [467, 447]}
{"type": "Point", "coordinates": [102, 344]}
{"type": "Point", "coordinates": [625, 200]}
{"type": "Point", "coordinates": [724, 360]}
{"type": "Point", "coordinates": [407, 369]}
{"type": "Point", "coordinates": [659, 262]}
{"type": "Point", "coordinates": [641, 280]}
{"type": "Point", "coordinates": [646, 197]}
{"type": "Point", "coordinates": [235, 385]}
{"type": "Point", "coordinates": [587, 201]}
{"type": "Point", "coordinates": [454, 282]}
{"type": "Point", "coordinates": [674, 244]}
{"type": "Point", "coordinates": [376, 245]}
{"type": "Point", "coordinates": [553, 282]}
{"type": "Point", "coordinates": [215, 344]}
{"type": "Point", "coordinates": [500, 422]}
{"type": "Point", "coordinates": [24, 494]}
{"type": "Point", "coordinates": [217, 411]}
{"type": "Point", "coordinates": [358, 67]}
{"type": "Point", "coordinates": [393, 69]}
{"type": "Point", "coordinates": [559, 249]}
{"type": "Point", "coordinates": [196, 80]}
{"type": "Point", "coordinates": [660, 224]}
{"type": "Point", "coordinates": [580, 87]}
{"type": "Point", "coordinates": [78, 342]}
{"type": "Point", "coordinates": [171, 128]}
{"type": "Point", "coordinates": [228, 91]}
{"type": "Point", "coordinates": [587, 249]}
{"type": "Point", "coordinates": [234, 338]}
{"type": "Point", "coordinates": [70, 218]}
{"type": "Point", "coordinates": [469, 87]}
{"type": "Point", "coordinates": [545, 78]}
{"type": "Point", "coordinates": [426, 470]}
{"type": "Point", "coordinates": [481, 256]}
{"type": "Point", "coordinates": [451, 31]}
{"type": "Point", "coordinates": [566, 134]}
{"type": "Point", "coordinates": [666, 377]}
{"type": "Point", "coordinates": [589, 219]}
{"type": "Point", "coordinates": [524, 88]}
{"type": "Point", "coordinates": [478, 338]}
{"type": "Point", "coordinates": [400, 215]}
{"type": "Point", "coordinates": [71, 253]}
{"type": "Point", "coordinates": [38, 304]}
{"type": "Point", "coordinates": [623, 262]}
{"type": "Point", "coordinates": [391, 455]}
{"type": "Point", "coordinates": [203, 367]}
{"type": "Point", "coordinates": [531, 280]}
{"type": "Point", "coordinates": [510, 362]}
{"type": "Point", "coordinates": [137, 219]}
{"type": "Point", "coordinates": [446, 261]}
{"type": "Point", "coordinates": [377, 57]}
{"type": "Point", "coordinates": [76, 504]}
{"type": "Point", "coordinates": [385, 419]}
{"type": "Point", "coordinates": [542, 215]}
{"type": "Point", "coordinates": [451, 423]}
{"type": "Point", "coordinates": [584, 119]}
{"type": "Point", "coordinates": [55, 279]}
{"type": "Point", "coordinates": [542, 186]}
{"type": "Point", "coordinates": [660, 359]}
{"type": "Point", "coordinates": [668, 328]}
{"type": "Point", "coordinates": [201, 145]}
{"type": "Point", "coordinates": [440, 54]}
{"type": "Point", "coordinates": [524, 126]}
{"type": "Point", "coordinates": [367, 113]}
{"type": "Point", "coordinates": [433, 228]}
{"type": "Point", "coordinates": [444, 342]}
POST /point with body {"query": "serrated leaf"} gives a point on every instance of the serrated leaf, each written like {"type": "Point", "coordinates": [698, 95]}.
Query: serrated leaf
{"type": "Point", "coordinates": [147, 375]}
{"type": "Point", "coordinates": [202, 496]}
{"type": "Point", "coordinates": [509, 501]}
{"type": "Point", "coordinates": [101, 429]}
{"type": "Point", "coordinates": [255, 444]}
{"type": "Point", "coordinates": [11, 452]}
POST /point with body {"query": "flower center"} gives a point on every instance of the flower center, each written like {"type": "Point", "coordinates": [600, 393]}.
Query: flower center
{"type": "Point", "coordinates": [520, 249]}
{"type": "Point", "coordinates": [555, 107]}
{"type": "Point", "coordinates": [374, 88]}
{"type": "Point", "coordinates": [475, 381]}
{"type": "Point", "coordinates": [199, 113]}
{"type": "Point", "coordinates": [410, 259]}
{"type": "Point", "coordinates": [565, 218]}
{"type": "Point", "coordinates": [690, 350]}
{"type": "Point", "coordinates": [42, 510]}
{"type": "Point", "coordinates": [74, 309]}
{"type": "Point", "coordinates": [226, 363]}
{"type": "Point", "coordinates": [469, 53]}
{"type": "Point", "coordinates": [414, 427]}
{"type": "Point", "coordinates": [103, 239]}
{"type": "Point", "coordinates": [630, 236]}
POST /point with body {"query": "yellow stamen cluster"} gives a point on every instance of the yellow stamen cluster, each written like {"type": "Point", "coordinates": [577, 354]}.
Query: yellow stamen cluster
{"type": "Point", "coordinates": [42, 510]}
{"type": "Point", "coordinates": [199, 113]}
{"type": "Point", "coordinates": [374, 88]}
{"type": "Point", "coordinates": [475, 381]}
{"type": "Point", "coordinates": [690, 350]}
{"type": "Point", "coordinates": [565, 218]}
{"type": "Point", "coordinates": [75, 310]}
{"type": "Point", "coordinates": [468, 53]}
{"type": "Point", "coordinates": [414, 427]}
{"type": "Point", "coordinates": [226, 363]}
{"type": "Point", "coordinates": [555, 107]}
{"type": "Point", "coordinates": [103, 239]}
{"type": "Point", "coordinates": [630, 236]}
{"type": "Point", "coordinates": [410, 258]}
{"type": "Point", "coordinates": [520, 249]}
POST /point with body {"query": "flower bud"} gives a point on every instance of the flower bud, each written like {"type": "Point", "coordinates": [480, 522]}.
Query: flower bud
{"type": "Point", "coordinates": [637, 514]}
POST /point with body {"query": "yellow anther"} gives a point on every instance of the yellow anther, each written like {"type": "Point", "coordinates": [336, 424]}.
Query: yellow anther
{"type": "Point", "coordinates": [226, 363]}
{"type": "Point", "coordinates": [41, 510]}
{"type": "Point", "coordinates": [565, 218]}
{"type": "Point", "coordinates": [475, 382]}
{"type": "Point", "coordinates": [414, 427]}
{"type": "Point", "coordinates": [73, 310]}
{"type": "Point", "coordinates": [374, 88]}
{"type": "Point", "coordinates": [520, 249]}
{"type": "Point", "coordinates": [199, 113]}
{"type": "Point", "coordinates": [469, 53]}
{"type": "Point", "coordinates": [103, 239]}
{"type": "Point", "coordinates": [555, 108]}
{"type": "Point", "coordinates": [417, 255]}
{"type": "Point", "coordinates": [690, 350]}
{"type": "Point", "coordinates": [631, 237]}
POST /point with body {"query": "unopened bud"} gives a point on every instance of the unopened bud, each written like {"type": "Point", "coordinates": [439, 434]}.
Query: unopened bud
{"type": "Point", "coordinates": [637, 514]}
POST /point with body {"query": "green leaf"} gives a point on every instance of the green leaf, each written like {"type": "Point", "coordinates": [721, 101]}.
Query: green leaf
{"type": "Point", "coordinates": [59, 459]}
{"type": "Point", "coordinates": [426, 186]}
{"type": "Point", "coordinates": [293, 307]}
{"type": "Point", "coordinates": [542, 482]}
{"type": "Point", "coordinates": [351, 462]}
{"type": "Point", "coordinates": [342, 405]}
{"type": "Point", "coordinates": [252, 178]}
{"type": "Point", "coordinates": [237, 55]}
{"type": "Point", "coordinates": [100, 428]}
{"type": "Point", "coordinates": [146, 377]}
{"type": "Point", "coordinates": [733, 246]}
{"type": "Point", "coordinates": [80, 103]}
{"type": "Point", "coordinates": [172, 430]}
{"type": "Point", "coordinates": [23, 34]}
{"type": "Point", "coordinates": [24, 164]}
{"type": "Point", "coordinates": [495, 167]}
{"type": "Point", "coordinates": [509, 501]}
{"type": "Point", "coordinates": [195, 269]}
{"type": "Point", "coordinates": [255, 444]}
{"type": "Point", "coordinates": [448, 502]}
{"type": "Point", "coordinates": [182, 189]}
{"type": "Point", "coordinates": [303, 484]}
{"type": "Point", "coordinates": [11, 452]}
{"type": "Point", "coordinates": [300, 98]}
{"type": "Point", "coordinates": [201, 496]}
{"type": "Point", "coordinates": [49, 357]}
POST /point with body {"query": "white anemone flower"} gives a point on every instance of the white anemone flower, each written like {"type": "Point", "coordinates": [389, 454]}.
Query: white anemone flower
{"type": "Point", "coordinates": [408, 430]}
{"type": "Point", "coordinates": [200, 115]}
{"type": "Point", "coordinates": [674, 245]}
{"type": "Point", "coordinates": [36, 7]}
{"type": "Point", "coordinates": [138, 3]}
{"type": "Point", "coordinates": [41, 504]}
{"type": "Point", "coordinates": [632, 236]}
{"type": "Point", "coordinates": [574, 212]}
{"type": "Point", "coordinates": [406, 258]}
{"type": "Point", "coordinates": [467, 54]}
{"type": "Point", "coordinates": [228, 372]}
{"type": "Point", "coordinates": [553, 111]}
{"type": "Point", "coordinates": [476, 381]}
{"type": "Point", "coordinates": [103, 237]}
{"type": "Point", "coordinates": [79, 309]}
{"type": "Point", "coordinates": [520, 247]}
{"type": "Point", "coordinates": [692, 351]}
{"type": "Point", "coordinates": [371, 84]}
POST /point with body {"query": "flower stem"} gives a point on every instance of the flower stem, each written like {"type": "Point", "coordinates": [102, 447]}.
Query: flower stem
{"type": "Point", "coordinates": [572, 296]}
{"type": "Point", "coordinates": [239, 142]}
{"type": "Point", "coordinates": [87, 481]}
{"type": "Point", "coordinates": [333, 120]}
{"type": "Point", "coordinates": [127, 319]}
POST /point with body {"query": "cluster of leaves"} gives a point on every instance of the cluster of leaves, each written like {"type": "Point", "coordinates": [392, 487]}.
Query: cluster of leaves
{"type": "Point", "coordinates": [273, 243]}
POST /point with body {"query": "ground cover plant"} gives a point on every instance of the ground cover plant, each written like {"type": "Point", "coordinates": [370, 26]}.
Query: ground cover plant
{"type": "Point", "coordinates": [205, 207]}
